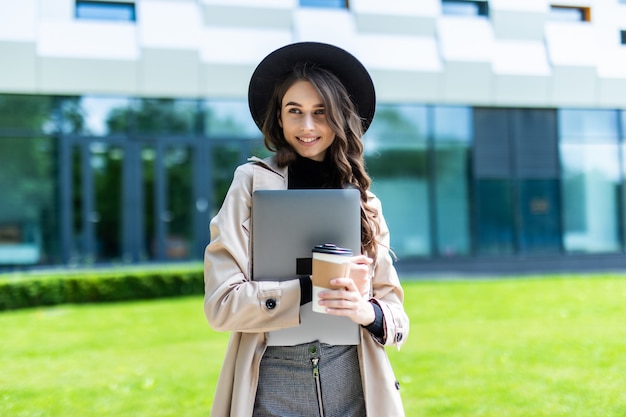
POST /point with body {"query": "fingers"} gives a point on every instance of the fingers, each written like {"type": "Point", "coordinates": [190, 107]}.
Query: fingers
{"type": "Point", "coordinates": [360, 272]}
{"type": "Point", "coordinates": [349, 304]}
{"type": "Point", "coordinates": [361, 260]}
{"type": "Point", "coordinates": [347, 283]}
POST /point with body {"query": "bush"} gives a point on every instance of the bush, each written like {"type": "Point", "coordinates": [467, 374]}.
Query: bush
{"type": "Point", "coordinates": [98, 286]}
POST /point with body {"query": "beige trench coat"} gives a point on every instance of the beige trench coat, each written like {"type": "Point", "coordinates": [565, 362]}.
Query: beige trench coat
{"type": "Point", "coordinates": [234, 303]}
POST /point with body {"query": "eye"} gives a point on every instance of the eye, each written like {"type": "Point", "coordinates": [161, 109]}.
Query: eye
{"type": "Point", "coordinates": [294, 110]}
{"type": "Point", "coordinates": [320, 111]}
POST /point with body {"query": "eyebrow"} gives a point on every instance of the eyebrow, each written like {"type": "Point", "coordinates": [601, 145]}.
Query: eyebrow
{"type": "Point", "coordinates": [293, 103]}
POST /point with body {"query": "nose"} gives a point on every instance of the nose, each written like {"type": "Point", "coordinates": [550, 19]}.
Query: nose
{"type": "Point", "coordinates": [307, 122]}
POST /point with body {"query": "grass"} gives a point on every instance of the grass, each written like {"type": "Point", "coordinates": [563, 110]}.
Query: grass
{"type": "Point", "coordinates": [543, 346]}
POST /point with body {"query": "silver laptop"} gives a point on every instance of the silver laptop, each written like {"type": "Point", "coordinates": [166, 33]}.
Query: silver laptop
{"type": "Point", "coordinates": [286, 225]}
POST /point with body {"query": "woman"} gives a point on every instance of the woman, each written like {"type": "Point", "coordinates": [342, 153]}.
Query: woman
{"type": "Point", "coordinates": [313, 103]}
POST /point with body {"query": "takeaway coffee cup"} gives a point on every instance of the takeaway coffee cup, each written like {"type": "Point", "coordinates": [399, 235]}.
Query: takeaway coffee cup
{"type": "Point", "coordinates": [329, 261]}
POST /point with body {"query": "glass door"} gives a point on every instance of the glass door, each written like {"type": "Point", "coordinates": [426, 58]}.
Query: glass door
{"type": "Point", "coordinates": [92, 201]}
{"type": "Point", "coordinates": [132, 201]}
{"type": "Point", "coordinates": [167, 181]}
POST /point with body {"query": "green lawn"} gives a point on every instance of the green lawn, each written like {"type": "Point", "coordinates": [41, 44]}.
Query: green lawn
{"type": "Point", "coordinates": [551, 346]}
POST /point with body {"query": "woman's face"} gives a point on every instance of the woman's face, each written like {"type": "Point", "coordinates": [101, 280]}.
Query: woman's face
{"type": "Point", "coordinates": [303, 120]}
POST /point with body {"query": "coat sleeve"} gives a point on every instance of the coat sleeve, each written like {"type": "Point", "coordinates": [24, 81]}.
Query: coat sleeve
{"type": "Point", "coordinates": [387, 291]}
{"type": "Point", "coordinates": [232, 301]}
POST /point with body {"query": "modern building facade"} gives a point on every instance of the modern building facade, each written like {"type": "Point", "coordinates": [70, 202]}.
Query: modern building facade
{"type": "Point", "coordinates": [499, 141]}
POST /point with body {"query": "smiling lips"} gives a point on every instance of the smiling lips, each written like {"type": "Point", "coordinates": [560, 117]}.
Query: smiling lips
{"type": "Point", "coordinates": [307, 139]}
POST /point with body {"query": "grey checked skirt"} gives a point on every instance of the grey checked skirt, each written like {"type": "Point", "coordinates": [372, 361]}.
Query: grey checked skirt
{"type": "Point", "coordinates": [310, 380]}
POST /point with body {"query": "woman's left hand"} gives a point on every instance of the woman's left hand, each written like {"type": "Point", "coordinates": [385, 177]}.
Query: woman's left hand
{"type": "Point", "coordinates": [347, 301]}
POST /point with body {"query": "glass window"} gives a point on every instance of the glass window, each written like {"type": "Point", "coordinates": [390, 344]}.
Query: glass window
{"type": "Point", "coordinates": [28, 228]}
{"type": "Point", "coordinates": [225, 158]}
{"type": "Point", "coordinates": [465, 7]}
{"type": "Point", "coordinates": [493, 205]}
{"type": "Point", "coordinates": [225, 119]}
{"type": "Point", "coordinates": [106, 163]}
{"type": "Point", "coordinates": [166, 116]}
{"type": "Point", "coordinates": [570, 13]}
{"type": "Point", "coordinates": [540, 227]}
{"type": "Point", "coordinates": [180, 202]}
{"type": "Point", "coordinates": [590, 179]}
{"type": "Point", "coordinates": [23, 112]}
{"type": "Point", "coordinates": [622, 129]}
{"type": "Point", "coordinates": [337, 4]}
{"type": "Point", "coordinates": [396, 157]}
{"type": "Point", "coordinates": [452, 131]}
{"type": "Point", "coordinates": [587, 126]}
{"type": "Point", "coordinates": [95, 116]}
{"type": "Point", "coordinates": [102, 10]}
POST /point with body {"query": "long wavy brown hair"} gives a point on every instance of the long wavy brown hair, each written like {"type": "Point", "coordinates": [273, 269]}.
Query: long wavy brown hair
{"type": "Point", "coordinates": [346, 151]}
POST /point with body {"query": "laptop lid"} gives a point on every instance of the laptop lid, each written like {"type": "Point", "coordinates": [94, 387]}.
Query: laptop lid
{"type": "Point", "coordinates": [286, 225]}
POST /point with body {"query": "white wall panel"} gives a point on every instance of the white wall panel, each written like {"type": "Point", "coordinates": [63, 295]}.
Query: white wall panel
{"type": "Point", "coordinates": [256, 16]}
{"type": "Point", "coordinates": [519, 19]}
{"type": "Point", "coordinates": [18, 20]}
{"type": "Point", "coordinates": [404, 68]}
{"type": "Point", "coordinates": [245, 46]}
{"type": "Point", "coordinates": [607, 19]}
{"type": "Point", "coordinates": [521, 72]}
{"type": "Point", "coordinates": [405, 53]}
{"type": "Point", "coordinates": [521, 90]}
{"type": "Point", "coordinates": [60, 10]}
{"type": "Point", "coordinates": [572, 51]}
{"type": "Point", "coordinates": [467, 39]}
{"type": "Point", "coordinates": [397, 86]}
{"type": "Point", "coordinates": [268, 4]}
{"type": "Point", "coordinates": [169, 62]}
{"type": "Point", "coordinates": [88, 40]}
{"type": "Point", "coordinates": [225, 80]}
{"type": "Point", "coordinates": [571, 44]}
{"type": "Point", "coordinates": [611, 92]}
{"type": "Point", "coordinates": [467, 83]}
{"type": "Point", "coordinates": [18, 36]}
{"type": "Point", "coordinates": [405, 17]}
{"type": "Point", "coordinates": [167, 24]}
{"type": "Point", "coordinates": [87, 57]}
{"type": "Point", "coordinates": [18, 74]}
{"type": "Point", "coordinates": [169, 73]}
{"type": "Point", "coordinates": [325, 25]}
{"type": "Point", "coordinates": [573, 86]}
{"type": "Point", "coordinates": [87, 76]}
{"type": "Point", "coordinates": [228, 57]}
{"type": "Point", "coordinates": [467, 49]}
{"type": "Point", "coordinates": [611, 83]}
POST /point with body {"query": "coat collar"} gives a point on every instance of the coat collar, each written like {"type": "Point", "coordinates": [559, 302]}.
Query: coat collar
{"type": "Point", "coordinates": [268, 175]}
{"type": "Point", "coordinates": [269, 163]}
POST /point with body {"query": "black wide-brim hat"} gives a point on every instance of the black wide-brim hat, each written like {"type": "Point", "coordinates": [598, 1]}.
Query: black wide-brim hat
{"type": "Point", "coordinates": [278, 64]}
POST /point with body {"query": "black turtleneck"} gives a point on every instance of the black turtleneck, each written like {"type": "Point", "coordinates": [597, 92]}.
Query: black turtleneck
{"type": "Point", "coordinates": [305, 173]}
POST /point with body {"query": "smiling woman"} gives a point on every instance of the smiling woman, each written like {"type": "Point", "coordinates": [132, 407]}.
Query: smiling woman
{"type": "Point", "coordinates": [313, 102]}
{"type": "Point", "coordinates": [303, 119]}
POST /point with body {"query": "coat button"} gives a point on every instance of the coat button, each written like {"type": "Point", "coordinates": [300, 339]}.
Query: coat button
{"type": "Point", "coordinates": [270, 303]}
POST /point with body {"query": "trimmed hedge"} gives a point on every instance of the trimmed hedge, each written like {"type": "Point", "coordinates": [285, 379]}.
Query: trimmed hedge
{"type": "Point", "coordinates": [98, 286]}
